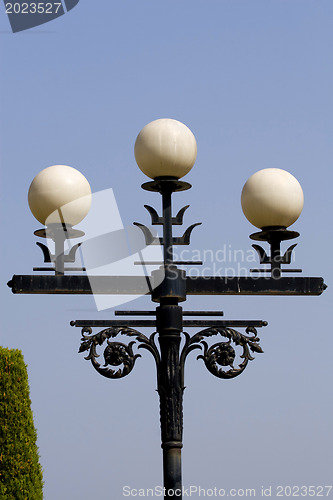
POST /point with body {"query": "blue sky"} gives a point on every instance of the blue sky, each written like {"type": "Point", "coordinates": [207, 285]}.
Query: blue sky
{"type": "Point", "coordinates": [253, 81]}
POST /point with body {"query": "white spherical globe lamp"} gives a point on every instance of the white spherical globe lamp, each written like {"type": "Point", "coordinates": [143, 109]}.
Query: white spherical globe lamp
{"type": "Point", "coordinates": [272, 197]}
{"type": "Point", "coordinates": [165, 148]}
{"type": "Point", "coordinates": [59, 194]}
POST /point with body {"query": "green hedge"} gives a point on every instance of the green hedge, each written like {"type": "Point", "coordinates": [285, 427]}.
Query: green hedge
{"type": "Point", "coordinates": [20, 471]}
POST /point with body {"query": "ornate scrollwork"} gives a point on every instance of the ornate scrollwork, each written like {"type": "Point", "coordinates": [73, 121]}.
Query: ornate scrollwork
{"type": "Point", "coordinates": [223, 354]}
{"type": "Point", "coordinates": [116, 353]}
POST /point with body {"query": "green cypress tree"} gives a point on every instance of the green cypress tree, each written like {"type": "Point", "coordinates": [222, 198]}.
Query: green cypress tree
{"type": "Point", "coordinates": [20, 471]}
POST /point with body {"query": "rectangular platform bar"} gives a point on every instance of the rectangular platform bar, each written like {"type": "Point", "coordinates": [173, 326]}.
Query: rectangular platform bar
{"type": "Point", "coordinates": [153, 313]}
{"type": "Point", "coordinates": [100, 323]}
{"type": "Point", "coordinates": [290, 285]}
{"type": "Point", "coordinates": [137, 285]}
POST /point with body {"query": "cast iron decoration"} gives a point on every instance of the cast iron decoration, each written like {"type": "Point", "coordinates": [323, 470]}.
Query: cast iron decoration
{"type": "Point", "coordinates": [165, 150]}
{"type": "Point", "coordinates": [219, 354]}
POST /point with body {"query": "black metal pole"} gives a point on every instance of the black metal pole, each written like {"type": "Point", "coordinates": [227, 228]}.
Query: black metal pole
{"type": "Point", "coordinates": [169, 319]}
{"type": "Point", "coordinates": [169, 324]}
{"type": "Point", "coordinates": [167, 225]}
{"type": "Point", "coordinates": [275, 243]}
{"type": "Point", "coordinates": [59, 247]}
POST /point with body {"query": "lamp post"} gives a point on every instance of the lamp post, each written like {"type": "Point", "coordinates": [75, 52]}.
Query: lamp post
{"type": "Point", "coordinates": [165, 151]}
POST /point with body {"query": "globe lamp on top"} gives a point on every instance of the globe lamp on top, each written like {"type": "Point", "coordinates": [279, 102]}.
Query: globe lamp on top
{"type": "Point", "coordinates": [165, 148]}
{"type": "Point", "coordinates": [59, 194]}
{"type": "Point", "coordinates": [272, 198]}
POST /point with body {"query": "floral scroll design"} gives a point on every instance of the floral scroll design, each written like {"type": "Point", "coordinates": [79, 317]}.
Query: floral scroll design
{"type": "Point", "coordinates": [222, 354]}
{"type": "Point", "coordinates": [116, 353]}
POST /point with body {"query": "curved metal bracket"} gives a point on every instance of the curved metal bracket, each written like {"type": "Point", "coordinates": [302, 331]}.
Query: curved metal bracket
{"type": "Point", "coordinates": [156, 220]}
{"type": "Point", "coordinates": [49, 257]}
{"type": "Point", "coordinates": [222, 354]}
{"type": "Point", "coordinates": [178, 220]}
{"type": "Point", "coordinates": [274, 236]}
{"type": "Point", "coordinates": [286, 259]}
{"type": "Point", "coordinates": [264, 259]}
{"type": "Point", "coordinates": [116, 353]}
{"type": "Point", "coordinates": [150, 239]}
{"type": "Point", "coordinates": [185, 239]}
{"type": "Point", "coordinates": [71, 256]}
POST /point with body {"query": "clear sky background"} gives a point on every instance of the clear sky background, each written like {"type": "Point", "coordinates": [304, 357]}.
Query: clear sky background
{"type": "Point", "coordinates": [253, 81]}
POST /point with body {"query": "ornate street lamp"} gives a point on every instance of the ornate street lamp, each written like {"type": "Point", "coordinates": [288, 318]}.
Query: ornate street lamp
{"type": "Point", "coordinates": [165, 151]}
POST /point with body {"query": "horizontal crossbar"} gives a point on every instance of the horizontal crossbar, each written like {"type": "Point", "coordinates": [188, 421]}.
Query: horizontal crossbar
{"type": "Point", "coordinates": [137, 285]}
{"type": "Point", "coordinates": [117, 323]}
{"type": "Point", "coordinates": [153, 313]}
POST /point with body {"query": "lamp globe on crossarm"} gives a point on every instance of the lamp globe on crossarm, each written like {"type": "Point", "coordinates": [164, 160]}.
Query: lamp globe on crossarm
{"type": "Point", "coordinates": [59, 197]}
{"type": "Point", "coordinates": [272, 200]}
{"type": "Point", "coordinates": [59, 194]}
{"type": "Point", "coordinates": [165, 148]}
